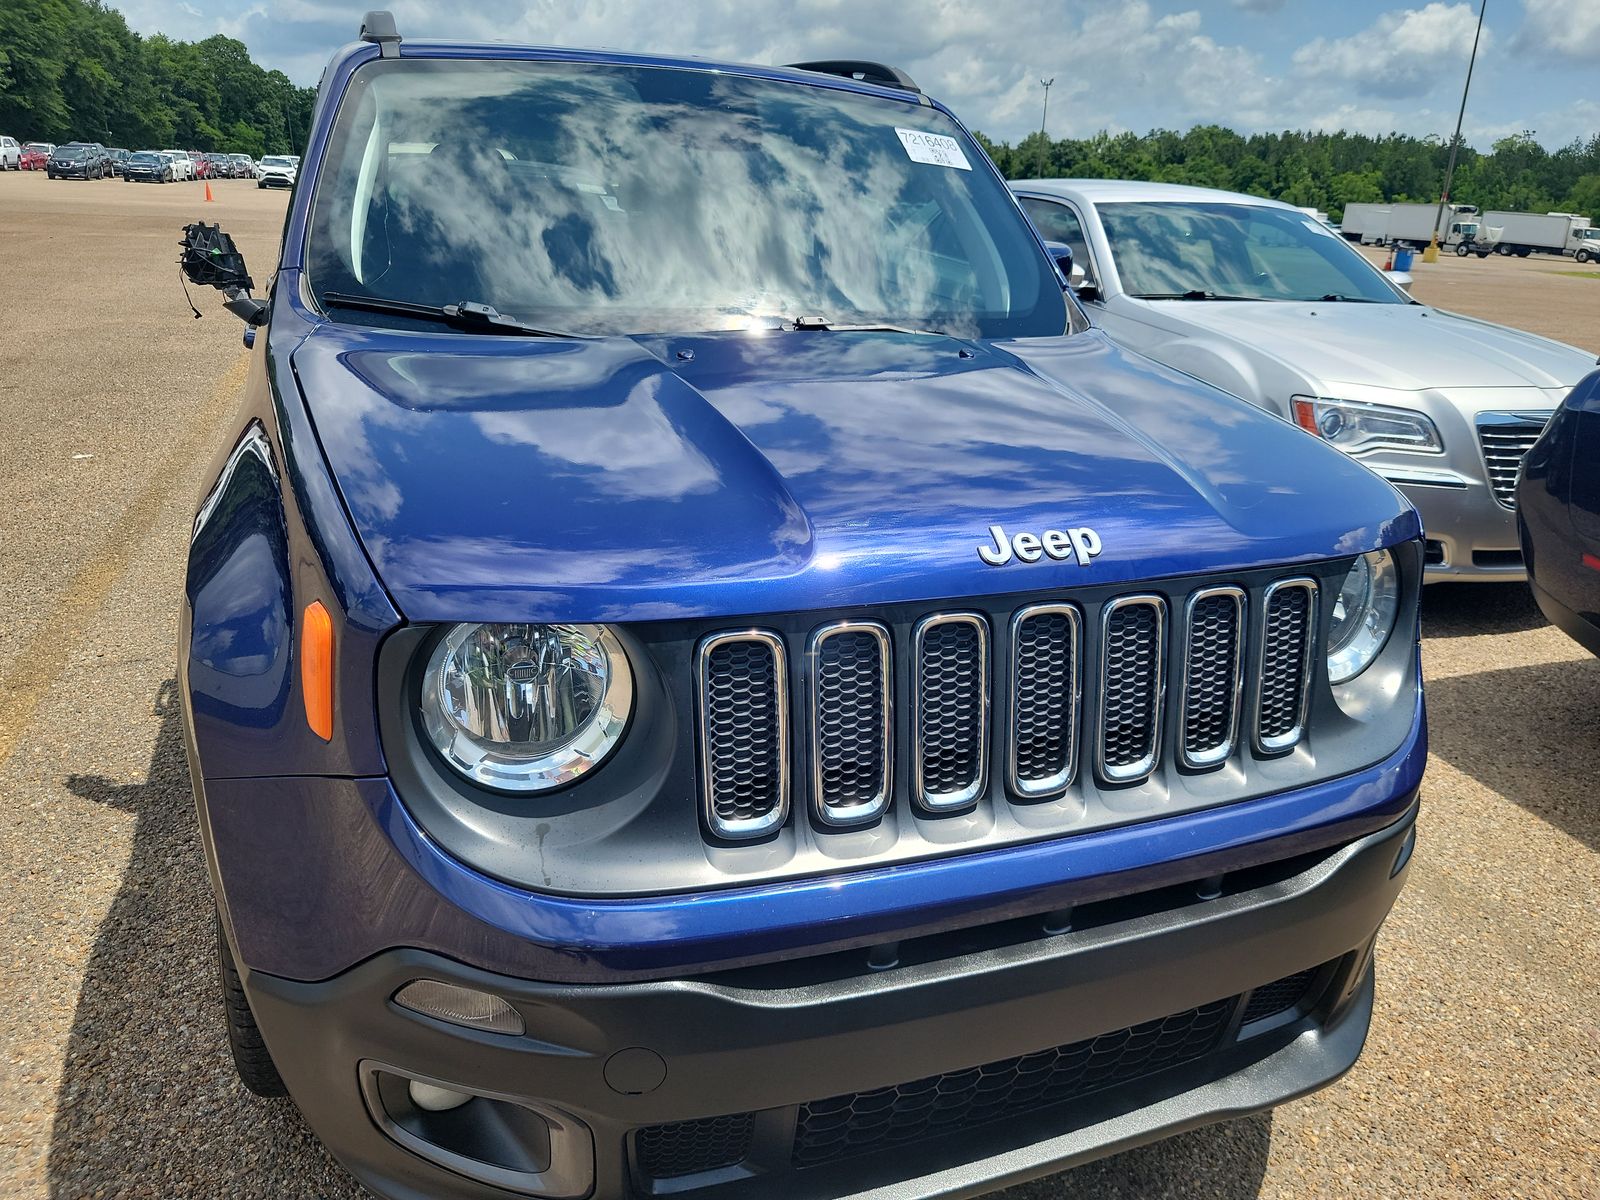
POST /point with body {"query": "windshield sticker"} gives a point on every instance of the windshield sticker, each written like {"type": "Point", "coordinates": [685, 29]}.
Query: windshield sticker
{"type": "Point", "coordinates": [1316, 226]}
{"type": "Point", "coordinates": [933, 148]}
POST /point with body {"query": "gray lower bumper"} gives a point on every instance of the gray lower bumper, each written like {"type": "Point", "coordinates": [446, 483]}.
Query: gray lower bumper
{"type": "Point", "coordinates": [1477, 534]}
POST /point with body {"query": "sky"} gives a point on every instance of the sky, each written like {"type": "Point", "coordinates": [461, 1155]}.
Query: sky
{"type": "Point", "coordinates": [1370, 66]}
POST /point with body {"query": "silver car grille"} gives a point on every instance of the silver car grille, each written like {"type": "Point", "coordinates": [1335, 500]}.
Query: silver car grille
{"type": "Point", "coordinates": [1505, 439]}
{"type": "Point", "coordinates": [1060, 698]}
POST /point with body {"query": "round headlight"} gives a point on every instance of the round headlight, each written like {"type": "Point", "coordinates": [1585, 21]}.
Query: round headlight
{"type": "Point", "coordinates": [525, 708]}
{"type": "Point", "coordinates": [1363, 615]}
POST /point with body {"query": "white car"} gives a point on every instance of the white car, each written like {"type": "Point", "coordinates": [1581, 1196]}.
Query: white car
{"type": "Point", "coordinates": [182, 164]}
{"type": "Point", "coordinates": [1261, 300]}
{"type": "Point", "coordinates": [276, 170]}
{"type": "Point", "coordinates": [10, 154]}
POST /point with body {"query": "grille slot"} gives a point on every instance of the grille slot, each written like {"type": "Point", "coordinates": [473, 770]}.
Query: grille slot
{"type": "Point", "coordinates": [950, 710]}
{"type": "Point", "coordinates": [1132, 684]}
{"type": "Point", "coordinates": [1289, 615]}
{"type": "Point", "coordinates": [1213, 668]}
{"type": "Point", "coordinates": [744, 733]}
{"type": "Point", "coordinates": [1276, 998]}
{"type": "Point", "coordinates": [851, 723]}
{"type": "Point", "coordinates": [1046, 686]}
{"type": "Point", "coordinates": [1505, 438]}
{"type": "Point", "coordinates": [959, 1100]}
{"type": "Point", "coordinates": [692, 1147]}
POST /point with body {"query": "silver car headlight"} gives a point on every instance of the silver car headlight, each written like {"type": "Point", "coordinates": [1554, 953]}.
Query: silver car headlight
{"type": "Point", "coordinates": [1355, 427]}
{"type": "Point", "coordinates": [526, 708]}
{"type": "Point", "coordinates": [1363, 615]}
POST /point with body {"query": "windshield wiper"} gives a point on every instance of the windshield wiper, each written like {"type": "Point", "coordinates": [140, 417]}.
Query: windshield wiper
{"type": "Point", "coordinates": [1334, 297]}
{"type": "Point", "coordinates": [1197, 294]}
{"type": "Point", "coordinates": [804, 324]}
{"type": "Point", "coordinates": [466, 315]}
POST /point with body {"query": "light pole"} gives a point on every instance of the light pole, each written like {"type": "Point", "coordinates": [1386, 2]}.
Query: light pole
{"type": "Point", "coordinates": [1431, 254]}
{"type": "Point", "coordinates": [1044, 117]}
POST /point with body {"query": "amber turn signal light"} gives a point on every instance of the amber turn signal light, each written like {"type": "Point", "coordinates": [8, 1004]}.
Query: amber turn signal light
{"type": "Point", "coordinates": [316, 669]}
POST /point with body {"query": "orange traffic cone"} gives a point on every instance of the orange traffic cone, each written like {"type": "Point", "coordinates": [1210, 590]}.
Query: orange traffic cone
{"type": "Point", "coordinates": [1388, 263]}
{"type": "Point", "coordinates": [208, 199]}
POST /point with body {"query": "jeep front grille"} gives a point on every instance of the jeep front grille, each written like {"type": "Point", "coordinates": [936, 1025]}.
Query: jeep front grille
{"type": "Point", "coordinates": [1505, 439]}
{"type": "Point", "coordinates": [1072, 682]}
{"type": "Point", "coordinates": [744, 732]}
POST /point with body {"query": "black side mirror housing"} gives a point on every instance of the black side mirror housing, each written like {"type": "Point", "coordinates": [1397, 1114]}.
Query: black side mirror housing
{"type": "Point", "coordinates": [1061, 254]}
{"type": "Point", "coordinates": [209, 258]}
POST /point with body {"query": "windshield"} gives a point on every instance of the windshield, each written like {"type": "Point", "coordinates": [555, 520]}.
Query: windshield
{"type": "Point", "coordinates": [1237, 251]}
{"type": "Point", "coordinates": [37, 146]}
{"type": "Point", "coordinates": [144, 157]}
{"type": "Point", "coordinates": [619, 199]}
{"type": "Point", "coordinates": [276, 162]}
{"type": "Point", "coordinates": [71, 152]}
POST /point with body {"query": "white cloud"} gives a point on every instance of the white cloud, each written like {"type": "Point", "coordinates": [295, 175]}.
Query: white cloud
{"type": "Point", "coordinates": [1259, 6]}
{"type": "Point", "coordinates": [1403, 54]}
{"type": "Point", "coordinates": [1569, 28]}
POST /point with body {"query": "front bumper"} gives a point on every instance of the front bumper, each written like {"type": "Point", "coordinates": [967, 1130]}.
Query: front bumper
{"type": "Point", "coordinates": [757, 1046]}
{"type": "Point", "coordinates": [1471, 536]}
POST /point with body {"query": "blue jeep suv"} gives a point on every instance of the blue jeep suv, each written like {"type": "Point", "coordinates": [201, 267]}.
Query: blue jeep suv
{"type": "Point", "coordinates": [706, 675]}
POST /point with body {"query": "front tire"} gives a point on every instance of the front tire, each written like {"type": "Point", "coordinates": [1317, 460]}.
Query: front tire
{"type": "Point", "coordinates": [1582, 256]}
{"type": "Point", "coordinates": [251, 1058]}
{"type": "Point", "coordinates": [1462, 250]}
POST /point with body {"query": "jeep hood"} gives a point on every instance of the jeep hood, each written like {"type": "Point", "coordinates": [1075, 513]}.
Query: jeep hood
{"type": "Point", "coordinates": [1409, 347]}
{"type": "Point", "coordinates": [633, 478]}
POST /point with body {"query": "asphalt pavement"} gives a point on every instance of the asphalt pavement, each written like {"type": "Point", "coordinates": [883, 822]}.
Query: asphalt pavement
{"type": "Point", "coordinates": [1482, 1074]}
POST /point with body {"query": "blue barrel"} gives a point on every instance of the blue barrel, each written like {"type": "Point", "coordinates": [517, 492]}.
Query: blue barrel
{"type": "Point", "coordinates": [1402, 260]}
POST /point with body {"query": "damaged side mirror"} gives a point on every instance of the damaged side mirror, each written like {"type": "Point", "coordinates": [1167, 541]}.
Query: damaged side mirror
{"type": "Point", "coordinates": [208, 258]}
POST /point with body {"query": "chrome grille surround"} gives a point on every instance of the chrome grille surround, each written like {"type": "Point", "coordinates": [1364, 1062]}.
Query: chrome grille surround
{"type": "Point", "coordinates": [1036, 685]}
{"type": "Point", "coordinates": [950, 711]}
{"type": "Point", "coordinates": [1283, 673]}
{"type": "Point", "coordinates": [847, 724]}
{"type": "Point", "coordinates": [1133, 690]}
{"type": "Point", "coordinates": [744, 747]}
{"type": "Point", "coordinates": [1505, 438]}
{"type": "Point", "coordinates": [1212, 679]}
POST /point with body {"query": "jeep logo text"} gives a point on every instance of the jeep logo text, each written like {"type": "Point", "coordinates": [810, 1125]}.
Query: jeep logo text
{"type": "Point", "coordinates": [1081, 543]}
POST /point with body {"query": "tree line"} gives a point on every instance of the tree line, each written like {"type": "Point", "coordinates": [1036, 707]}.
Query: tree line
{"type": "Point", "coordinates": [73, 70]}
{"type": "Point", "coordinates": [1324, 170]}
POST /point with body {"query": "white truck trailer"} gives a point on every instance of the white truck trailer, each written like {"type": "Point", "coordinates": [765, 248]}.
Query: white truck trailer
{"type": "Point", "coordinates": [1413, 225]}
{"type": "Point", "coordinates": [1522, 233]}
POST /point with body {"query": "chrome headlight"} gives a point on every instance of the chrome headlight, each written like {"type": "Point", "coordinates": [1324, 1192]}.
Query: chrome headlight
{"type": "Point", "coordinates": [525, 708]}
{"type": "Point", "coordinates": [1363, 615]}
{"type": "Point", "coordinates": [1355, 427]}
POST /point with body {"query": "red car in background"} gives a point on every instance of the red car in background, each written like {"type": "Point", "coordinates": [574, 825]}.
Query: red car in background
{"type": "Point", "coordinates": [204, 167]}
{"type": "Point", "coordinates": [35, 155]}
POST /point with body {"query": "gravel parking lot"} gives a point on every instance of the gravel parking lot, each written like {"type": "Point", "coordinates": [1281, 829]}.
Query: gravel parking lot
{"type": "Point", "coordinates": [1482, 1076]}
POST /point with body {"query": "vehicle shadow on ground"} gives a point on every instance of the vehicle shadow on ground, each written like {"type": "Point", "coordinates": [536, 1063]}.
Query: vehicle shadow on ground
{"type": "Point", "coordinates": [149, 1106]}
{"type": "Point", "coordinates": [1528, 733]}
{"type": "Point", "coordinates": [1452, 610]}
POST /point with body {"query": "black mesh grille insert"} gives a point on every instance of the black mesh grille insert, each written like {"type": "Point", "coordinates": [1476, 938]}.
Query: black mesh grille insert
{"type": "Point", "coordinates": [863, 1121]}
{"type": "Point", "coordinates": [690, 1147]}
{"type": "Point", "coordinates": [1278, 997]}
{"type": "Point", "coordinates": [851, 706]}
{"type": "Point", "coordinates": [950, 707]}
{"type": "Point", "coordinates": [1210, 687]}
{"type": "Point", "coordinates": [1044, 726]}
{"type": "Point", "coordinates": [1283, 661]}
{"type": "Point", "coordinates": [1131, 694]}
{"type": "Point", "coordinates": [743, 730]}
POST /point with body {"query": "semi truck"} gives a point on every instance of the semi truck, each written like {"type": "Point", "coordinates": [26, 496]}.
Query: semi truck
{"type": "Point", "coordinates": [1522, 234]}
{"type": "Point", "coordinates": [1459, 226]}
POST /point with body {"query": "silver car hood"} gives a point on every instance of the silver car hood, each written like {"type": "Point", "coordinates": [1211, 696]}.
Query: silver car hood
{"type": "Point", "coordinates": [1402, 347]}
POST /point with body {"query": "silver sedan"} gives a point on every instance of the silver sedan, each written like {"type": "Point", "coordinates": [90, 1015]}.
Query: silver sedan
{"type": "Point", "coordinates": [1268, 303]}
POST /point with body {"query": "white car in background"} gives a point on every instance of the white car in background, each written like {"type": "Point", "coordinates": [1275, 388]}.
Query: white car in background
{"type": "Point", "coordinates": [10, 154]}
{"type": "Point", "coordinates": [276, 170]}
{"type": "Point", "coordinates": [182, 164]}
{"type": "Point", "coordinates": [1261, 300]}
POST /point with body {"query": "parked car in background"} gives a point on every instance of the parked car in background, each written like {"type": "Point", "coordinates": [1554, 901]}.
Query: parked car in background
{"type": "Point", "coordinates": [115, 157]}
{"type": "Point", "coordinates": [276, 170]}
{"type": "Point", "coordinates": [1052, 806]}
{"type": "Point", "coordinates": [1262, 301]}
{"type": "Point", "coordinates": [183, 165]}
{"type": "Point", "coordinates": [10, 154]}
{"type": "Point", "coordinates": [78, 160]}
{"type": "Point", "coordinates": [35, 155]}
{"type": "Point", "coordinates": [1558, 515]}
{"type": "Point", "coordinates": [148, 166]}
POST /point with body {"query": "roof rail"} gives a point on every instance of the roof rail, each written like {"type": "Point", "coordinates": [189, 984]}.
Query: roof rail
{"type": "Point", "coordinates": [866, 72]}
{"type": "Point", "coordinates": [378, 27]}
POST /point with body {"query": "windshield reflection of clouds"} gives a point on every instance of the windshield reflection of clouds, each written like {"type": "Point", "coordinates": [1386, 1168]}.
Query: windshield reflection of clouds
{"type": "Point", "coordinates": [614, 200]}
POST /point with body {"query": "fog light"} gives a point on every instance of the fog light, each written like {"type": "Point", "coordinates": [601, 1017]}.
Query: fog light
{"type": "Point", "coordinates": [435, 1099]}
{"type": "Point", "coordinates": [460, 1006]}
